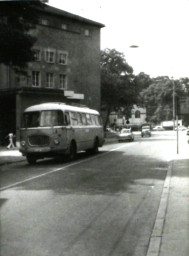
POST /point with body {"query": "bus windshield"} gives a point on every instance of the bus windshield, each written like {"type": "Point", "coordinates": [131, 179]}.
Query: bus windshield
{"type": "Point", "coordinates": [45, 118]}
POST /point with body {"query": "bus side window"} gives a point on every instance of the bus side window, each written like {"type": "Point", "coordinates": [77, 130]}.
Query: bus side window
{"type": "Point", "coordinates": [84, 120]}
{"type": "Point", "coordinates": [97, 120]}
{"type": "Point", "coordinates": [60, 117]}
{"type": "Point", "coordinates": [57, 118]}
{"type": "Point", "coordinates": [93, 120]}
{"type": "Point", "coordinates": [67, 118]}
{"type": "Point", "coordinates": [73, 116]}
{"type": "Point", "coordinates": [79, 118]}
{"type": "Point", "coordinates": [89, 122]}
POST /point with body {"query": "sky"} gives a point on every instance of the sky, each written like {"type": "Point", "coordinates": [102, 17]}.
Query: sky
{"type": "Point", "coordinates": [160, 29]}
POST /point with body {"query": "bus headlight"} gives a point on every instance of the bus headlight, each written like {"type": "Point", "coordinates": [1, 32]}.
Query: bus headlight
{"type": "Point", "coordinates": [56, 141]}
{"type": "Point", "coordinates": [23, 143]}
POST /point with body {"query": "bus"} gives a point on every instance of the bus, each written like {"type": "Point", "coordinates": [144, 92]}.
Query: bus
{"type": "Point", "coordinates": [52, 129]}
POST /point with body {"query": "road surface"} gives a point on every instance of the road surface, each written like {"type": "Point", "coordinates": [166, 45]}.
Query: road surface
{"type": "Point", "coordinates": [101, 205]}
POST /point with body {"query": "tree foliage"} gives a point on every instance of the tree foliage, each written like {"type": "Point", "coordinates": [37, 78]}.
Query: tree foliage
{"type": "Point", "coordinates": [117, 87]}
{"type": "Point", "coordinates": [142, 81]}
{"type": "Point", "coordinates": [158, 98]}
{"type": "Point", "coordinates": [17, 18]}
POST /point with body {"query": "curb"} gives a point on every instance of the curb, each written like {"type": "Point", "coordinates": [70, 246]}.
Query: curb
{"type": "Point", "coordinates": [157, 232]}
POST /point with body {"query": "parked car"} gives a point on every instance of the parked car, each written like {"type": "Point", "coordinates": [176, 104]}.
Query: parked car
{"type": "Point", "coordinates": [187, 134]}
{"type": "Point", "coordinates": [181, 128]}
{"type": "Point", "coordinates": [146, 131]}
{"type": "Point", "coordinates": [110, 133]}
{"type": "Point", "coordinates": [125, 135]}
{"type": "Point", "coordinates": [158, 128]}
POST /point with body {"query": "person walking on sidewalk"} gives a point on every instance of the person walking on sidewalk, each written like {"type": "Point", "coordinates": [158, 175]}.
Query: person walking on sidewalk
{"type": "Point", "coordinates": [11, 143]}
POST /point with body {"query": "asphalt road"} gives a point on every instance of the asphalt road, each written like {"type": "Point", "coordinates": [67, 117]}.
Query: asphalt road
{"type": "Point", "coordinates": [102, 205]}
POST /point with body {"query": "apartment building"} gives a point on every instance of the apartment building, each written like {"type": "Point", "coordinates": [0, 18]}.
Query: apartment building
{"type": "Point", "coordinates": [66, 68]}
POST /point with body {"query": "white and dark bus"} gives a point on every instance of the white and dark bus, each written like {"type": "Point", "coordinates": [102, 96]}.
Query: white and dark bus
{"type": "Point", "coordinates": [52, 129]}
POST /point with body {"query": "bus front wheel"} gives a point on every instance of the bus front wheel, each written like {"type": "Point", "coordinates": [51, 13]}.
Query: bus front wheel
{"type": "Point", "coordinates": [31, 159]}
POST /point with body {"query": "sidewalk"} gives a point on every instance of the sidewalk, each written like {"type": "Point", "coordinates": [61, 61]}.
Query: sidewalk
{"type": "Point", "coordinates": [8, 156]}
{"type": "Point", "coordinates": [175, 236]}
{"type": "Point", "coordinates": [170, 234]}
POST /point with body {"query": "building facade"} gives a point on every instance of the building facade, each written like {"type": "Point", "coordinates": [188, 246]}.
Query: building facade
{"type": "Point", "coordinates": [137, 117]}
{"type": "Point", "coordinates": [66, 68]}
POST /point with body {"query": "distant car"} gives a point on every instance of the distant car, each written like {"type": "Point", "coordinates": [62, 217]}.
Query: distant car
{"type": "Point", "coordinates": [158, 128]}
{"type": "Point", "coordinates": [181, 128]}
{"type": "Point", "coordinates": [125, 135]}
{"type": "Point", "coordinates": [187, 135]}
{"type": "Point", "coordinates": [146, 131]}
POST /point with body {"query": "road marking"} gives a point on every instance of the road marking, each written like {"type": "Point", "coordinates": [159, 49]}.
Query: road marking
{"type": "Point", "coordinates": [60, 169]}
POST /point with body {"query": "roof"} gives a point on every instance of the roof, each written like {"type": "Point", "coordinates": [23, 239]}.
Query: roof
{"type": "Point", "coordinates": [60, 106]}
{"type": "Point", "coordinates": [55, 11]}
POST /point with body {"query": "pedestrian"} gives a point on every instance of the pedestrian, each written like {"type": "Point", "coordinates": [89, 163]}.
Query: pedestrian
{"type": "Point", "coordinates": [11, 143]}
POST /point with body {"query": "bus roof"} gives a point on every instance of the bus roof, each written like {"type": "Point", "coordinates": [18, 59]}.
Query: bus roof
{"type": "Point", "coordinates": [60, 106]}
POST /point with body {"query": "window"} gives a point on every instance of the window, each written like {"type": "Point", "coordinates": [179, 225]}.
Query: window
{"type": "Point", "coordinates": [137, 114]}
{"type": "Point", "coordinates": [3, 20]}
{"type": "Point", "coordinates": [79, 119]}
{"type": "Point", "coordinates": [73, 116]}
{"type": "Point", "coordinates": [63, 81]}
{"type": "Point", "coordinates": [63, 58]}
{"type": "Point", "coordinates": [50, 80]}
{"type": "Point", "coordinates": [64, 26]}
{"type": "Point", "coordinates": [98, 120]}
{"type": "Point", "coordinates": [37, 54]}
{"type": "Point", "coordinates": [93, 120]}
{"type": "Point", "coordinates": [89, 121]}
{"type": "Point", "coordinates": [50, 55]}
{"type": "Point", "coordinates": [31, 119]}
{"type": "Point", "coordinates": [51, 118]}
{"type": "Point", "coordinates": [84, 119]}
{"type": "Point", "coordinates": [67, 118]}
{"type": "Point", "coordinates": [36, 79]}
{"type": "Point", "coordinates": [86, 32]}
{"type": "Point", "coordinates": [44, 22]}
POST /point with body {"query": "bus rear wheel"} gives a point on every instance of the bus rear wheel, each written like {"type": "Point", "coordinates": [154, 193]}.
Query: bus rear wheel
{"type": "Point", "coordinates": [95, 147]}
{"type": "Point", "coordinates": [31, 159]}
{"type": "Point", "coordinates": [73, 151]}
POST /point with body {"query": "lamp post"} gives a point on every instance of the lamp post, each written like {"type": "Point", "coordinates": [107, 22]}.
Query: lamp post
{"type": "Point", "coordinates": [175, 115]}
{"type": "Point", "coordinates": [173, 103]}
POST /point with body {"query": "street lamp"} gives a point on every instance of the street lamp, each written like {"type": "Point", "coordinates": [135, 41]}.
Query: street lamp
{"type": "Point", "coordinates": [173, 103]}
{"type": "Point", "coordinates": [174, 111]}
{"type": "Point", "coordinates": [133, 46]}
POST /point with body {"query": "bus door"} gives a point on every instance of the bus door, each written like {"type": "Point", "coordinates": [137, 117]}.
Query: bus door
{"type": "Point", "coordinates": [58, 134]}
{"type": "Point", "coordinates": [69, 130]}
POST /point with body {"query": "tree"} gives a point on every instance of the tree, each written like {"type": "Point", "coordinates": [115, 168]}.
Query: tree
{"type": "Point", "coordinates": [158, 98]}
{"type": "Point", "coordinates": [117, 86]}
{"type": "Point", "coordinates": [142, 81]}
{"type": "Point", "coordinates": [17, 20]}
